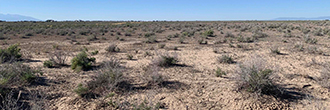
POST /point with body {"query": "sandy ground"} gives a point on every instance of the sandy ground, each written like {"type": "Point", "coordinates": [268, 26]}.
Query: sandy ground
{"type": "Point", "coordinates": [194, 85]}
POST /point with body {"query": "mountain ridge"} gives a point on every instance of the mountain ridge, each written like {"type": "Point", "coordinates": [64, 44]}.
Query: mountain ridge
{"type": "Point", "coordinates": [303, 18]}
{"type": "Point", "coordinates": [17, 17]}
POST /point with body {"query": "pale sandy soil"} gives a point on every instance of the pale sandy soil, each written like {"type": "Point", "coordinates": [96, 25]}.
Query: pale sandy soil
{"type": "Point", "coordinates": [193, 85]}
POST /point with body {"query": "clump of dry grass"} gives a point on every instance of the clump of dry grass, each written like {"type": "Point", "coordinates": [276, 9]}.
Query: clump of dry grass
{"type": "Point", "coordinates": [57, 59]}
{"type": "Point", "coordinates": [108, 80]}
{"type": "Point", "coordinates": [165, 60]}
{"type": "Point", "coordinates": [275, 50]}
{"type": "Point", "coordinates": [109, 77]}
{"type": "Point", "coordinates": [324, 79]}
{"type": "Point", "coordinates": [225, 59]}
{"type": "Point", "coordinates": [256, 77]}
{"type": "Point", "coordinates": [112, 48]}
{"type": "Point", "coordinates": [152, 76]}
{"type": "Point", "coordinates": [258, 35]}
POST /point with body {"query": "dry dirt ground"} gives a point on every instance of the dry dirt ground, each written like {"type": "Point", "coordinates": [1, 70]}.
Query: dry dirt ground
{"type": "Point", "coordinates": [192, 83]}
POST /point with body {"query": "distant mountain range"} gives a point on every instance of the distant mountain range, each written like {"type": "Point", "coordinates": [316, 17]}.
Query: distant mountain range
{"type": "Point", "coordinates": [16, 17]}
{"type": "Point", "coordinates": [303, 18]}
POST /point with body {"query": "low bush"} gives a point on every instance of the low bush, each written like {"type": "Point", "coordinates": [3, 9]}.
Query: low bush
{"type": "Point", "coordinates": [165, 60]}
{"type": "Point", "coordinates": [245, 39]}
{"type": "Point", "coordinates": [95, 52]}
{"type": "Point", "coordinates": [16, 74]}
{"type": "Point", "coordinates": [12, 53]}
{"type": "Point", "coordinates": [299, 47]}
{"type": "Point", "coordinates": [152, 76]}
{"type": "Point", "coordinates": [228, 34]}
{"type": "Point", "coordinates": [209, 33]}
{"type": "Point", "coordinates": [314, 50]}
{"type": "Point", "coordinates": [219, 72]}
{"type": "Point", "coordinates": [275, 50]}
{"type": "Point", "coordinates": [324, 79]}
{"type": "Point", "coordinates": [14, 77]}
{"type": "Point", "coordinates": [225, 59]}
{"type": "Point", "coordinates": [112, 48]}
{"type": "Point", "coordinates": [58, 58]}
{"type": "Point", "coordinates": [255, 77]}
{"type": "Point", "coordinates": [81, 90]}
{"type": "Point", "coordinates": [91, 38]}
{"type": "Point", "coordinates": [151, 40]}
{"type": "Point", "coordinates": [310, 40]}
{"type": "Point", "coordinates": [129, 57]}
{"type": "Point", "coordinates": [318, 32]}
{"type": "Point", "coordinates": [149, 34]}
{"type": "Point", "coordinates": [161, 45]}
{"type": "Point", "coordinates": [2, 37]}
{"type": "Point", "coordinates": [202, 41]}
{"type": "Point", "coordinates": [258, 35]}
{"type": "Point", "coordinates": [82, 62]}
{"type": "Point", "coordinates": [48, 64]}
{"type": "Point", "coordinates": [109, 77]}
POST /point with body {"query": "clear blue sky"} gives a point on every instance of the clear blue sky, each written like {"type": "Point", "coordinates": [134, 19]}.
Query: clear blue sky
{"type": "Point", "coordinates": [165, 9]}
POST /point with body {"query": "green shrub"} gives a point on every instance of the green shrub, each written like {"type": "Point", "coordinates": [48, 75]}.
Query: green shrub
{"type": "Point", "coordinates": [145, 105]}
{"type": "Point", "coordinates": [219, 72]}
{"type": "Point", "coordinates": [181, 40]}
{"type": "Point", "coordinates": [175, 48]}
{"type": "Point", "coordinates": [151, 40]}
{"type": "Point", "coordinates": [17, 74]}
{"type": "Point", "coordinates": [202, 41]}
{"type": "Point", "coordinates": [318, 32]}
{"type": "Point", "coordinates": [225, 59]}
{"type": "Point", "coordinates": [91, 38]}
{"type": "Point", "coordinates": [12, 53]}
{"type": "Point", "coordinates": [129, 57]}
{"type": "Point", "coordinates": [95, 52]}
{"type": "Point", "coordinates": [165, 61]}
{"type": "Point", "coordinates": [48, 64]}
{"type": "Point", "coordinates": [288, 35]}
{"type": "Point", "coordinates": [310, 40]}
{"type": "Point", "coordinates": [314, 50]}
{"type": "Point", "coordinates": [246, 39]}
{"type": "Point", "coordinates": [300, 47]}
{"type": "Point", "coordinates": [149, 34]}
{"type": "Point", "coordinates": [2, 37]}
{"type": "Point", "coordinates": [82, 62]}
{"type": "Point", "coordinates": [209, 33]}
{"type": "Point", "coordinates": [161, 45]}
{"type": "Point", "coordinates": [81, 90]}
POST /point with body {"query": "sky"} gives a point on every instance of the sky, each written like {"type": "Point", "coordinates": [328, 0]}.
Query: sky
{"type": "Point", "coordinates": [165, 9]}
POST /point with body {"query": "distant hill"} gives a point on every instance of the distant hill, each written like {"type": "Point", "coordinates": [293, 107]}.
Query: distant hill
{"type": "Point", "coordinates": [15, 17]}
{"type": "Point", "coordinates": [303, 18]}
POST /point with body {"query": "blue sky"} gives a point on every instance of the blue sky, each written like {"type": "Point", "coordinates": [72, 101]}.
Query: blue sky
{"type": "Point", "coordinates": [165, 9]}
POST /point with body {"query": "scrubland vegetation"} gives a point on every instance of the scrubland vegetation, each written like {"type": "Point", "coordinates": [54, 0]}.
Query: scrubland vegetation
{"type": "Point", "coordinates": [164, 65]}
